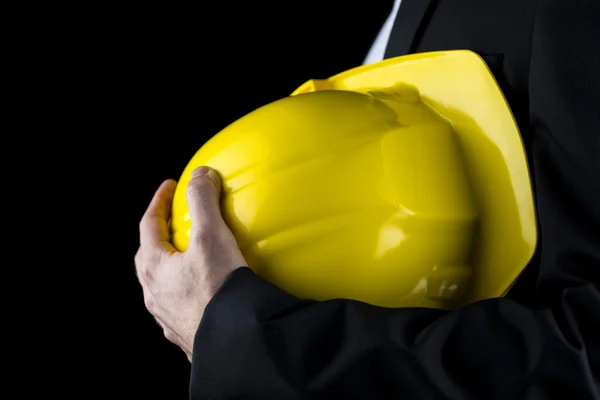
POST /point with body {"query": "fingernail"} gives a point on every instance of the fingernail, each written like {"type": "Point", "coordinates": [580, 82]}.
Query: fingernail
{"type": "Point", "coordinates": [201, 171]}
{"type": "Point", "coordinates": [212, 175]}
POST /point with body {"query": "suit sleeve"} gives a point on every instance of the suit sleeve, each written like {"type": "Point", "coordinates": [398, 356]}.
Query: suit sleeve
{"type": "Point", "coordinates": [256, 341]}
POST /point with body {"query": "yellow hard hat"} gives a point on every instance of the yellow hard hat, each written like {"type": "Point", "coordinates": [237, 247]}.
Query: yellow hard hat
{"type": "Point", "coordinates": [401, 183]}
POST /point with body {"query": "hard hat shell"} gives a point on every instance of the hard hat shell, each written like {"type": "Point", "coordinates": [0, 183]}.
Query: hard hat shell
{"type": "Point", "coordinates": [402, 183]}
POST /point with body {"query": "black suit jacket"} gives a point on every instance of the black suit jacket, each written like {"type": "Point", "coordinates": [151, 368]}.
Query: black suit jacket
{"type": "Point", "coordinates": [257, 342]}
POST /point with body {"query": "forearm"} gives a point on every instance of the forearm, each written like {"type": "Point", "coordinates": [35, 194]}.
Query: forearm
{"type": "Point", "coordinates": [255, 340]}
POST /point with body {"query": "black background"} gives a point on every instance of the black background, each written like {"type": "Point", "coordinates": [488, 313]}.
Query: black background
{"type": "Point", "coordinates": [127, 93]}
{"type": "Point", "coordinates": [165, 79]}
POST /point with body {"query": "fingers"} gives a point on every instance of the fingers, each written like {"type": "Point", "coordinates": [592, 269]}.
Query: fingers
{"type": "Point", "coordinates": [154, 233]}
{"type": "Point", "coordinates": [154, 228]}
{"type": "Point", "coordinates": [203, 193]}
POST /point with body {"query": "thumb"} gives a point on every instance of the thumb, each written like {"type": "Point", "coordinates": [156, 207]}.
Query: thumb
{"type": "Point", "coordinates": [203, 193]}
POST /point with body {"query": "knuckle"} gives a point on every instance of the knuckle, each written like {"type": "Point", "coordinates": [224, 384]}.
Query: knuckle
{"type": "Point", "coordinates": [148, 264]}
{"type": "Point", "coordinates": [209, 242]}
{"type": "Point", "coordinates": [204, 232]}
{"type": "Point", "coordinates": [143, 223]}
{"type": "Point", "coordinates": [154, 259]}
{"type": "Point", "coordinates": [197, 183]}
{"type": "Point", "coordinates": [138, 257]}
{"type": "Point", "coordinates": [149, 304]}
{"type": "Point", "coordinates": [169, 335]}
{"type": "Point", "coordinates": [204, 236]}
{"type": "Point", "coordinates": [148, 273]}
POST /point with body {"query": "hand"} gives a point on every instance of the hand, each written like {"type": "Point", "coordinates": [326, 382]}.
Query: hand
{"type": "Point", "coordinates": [178, 286]}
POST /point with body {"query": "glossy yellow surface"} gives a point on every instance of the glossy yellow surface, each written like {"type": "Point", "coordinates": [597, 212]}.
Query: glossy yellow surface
{"type": "Point", "coordinates": [402, 183]}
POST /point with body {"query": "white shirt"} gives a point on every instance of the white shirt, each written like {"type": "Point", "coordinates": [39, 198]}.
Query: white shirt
{"type": "Point", "coordinates": [377, 51]}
